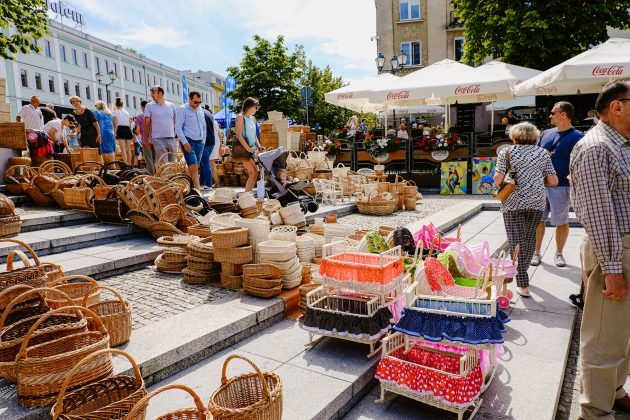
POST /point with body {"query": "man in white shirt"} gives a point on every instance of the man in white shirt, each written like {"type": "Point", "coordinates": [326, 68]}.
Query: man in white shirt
{"type": "Point", "coordinates": [159, 125]}
{"type": "Point", "coordinates": [31, 115]}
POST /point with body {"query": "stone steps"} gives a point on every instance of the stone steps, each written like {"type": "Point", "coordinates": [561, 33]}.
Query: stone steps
{"type": "Point", "coordinates": [35, 219]}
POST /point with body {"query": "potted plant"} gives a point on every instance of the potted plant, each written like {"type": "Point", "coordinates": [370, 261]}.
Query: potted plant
{"type": "Point", "coordinates": [379, 148]}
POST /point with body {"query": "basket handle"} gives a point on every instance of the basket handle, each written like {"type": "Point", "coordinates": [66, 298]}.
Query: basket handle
{"type": "Point", "coordinates": [516, 251]}
{"type": "Point", "coordinates": [109, 289]}
{"type": "Point", "coordinates": [265, 389]}
{"type": "Point", "coordinates": [76, 170]}
{"type": "Point", "coordinates": [49, 167]}
{"type": "Point", "coordinates": [80, 309]}
{"type": "Point", "coordinates": [142, 404]}
{"type": "Point", "coordinates": [64, 280]}
{"type": "Point", "coordinates": [58, 407]}
{"type": "Point", "coordinates": [14, 290]}
{"type": "Point", "coordinates": [41, 292]}
{"type": "Point", "coordinates": [161, 161]}
{"type": "Point", "coordinates": [25, 246]}
{"type": "Point", "coordinates": [459, 231]}
{"type": "Point", "coordinates": [85, 178]}
{"type": "Point", "coordinates": [22, 257]}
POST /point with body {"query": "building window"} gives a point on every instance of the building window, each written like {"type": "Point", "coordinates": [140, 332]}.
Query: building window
{"type": "Point", "coordinates": [75, 57]}
{"type": "Point", "coordinates": [109, 97]}
{"type": "Point", "coordinates": [178, 88]}
{"type": "Point", "coordinates": [86, 62]}
{"type": "Point", "coordinates": [135, 104]}
{"type": "Point", "coordinates": [66, 88]}
{"type": "Point", "coordinates": [459, 48]}
{"type": "Point", "coordinates": [38, 81]}
{"type": "Point", "coordinates": [51, 84]}
{"type": "Point", "coordinates": [77, 89]}
{"type": "Point", "coordinates": [127, 100]}
{"type": "Point", "coordinates": [99, 94]}
{"type": "Point", "coordinates": [414, 53]}
{"type": "Point", "coordinates": [106, 66]}
{"type": "Point", "coordinates": [115, 69]}
{"type": "Point", "coordinates": [168, 87]}
{"type": "Point", "coordinates": [97, 63]}
{"type": "Point", "coordinates": [154, 80]}
{"type": "Point", "coordinates": [48, 48]}
{"type": "Point", "coordinates": [62, 51]}
{"type": "Point", "coordinates": [88, 94]}
{"type": "Point", "coordinates": [24, 77]}
{"type": "Point", "coordinates": [409, 9]}
{"type": "Point", "coordinates": [133, 75]}
{"type": "Point", "coordinates": [125, 70]}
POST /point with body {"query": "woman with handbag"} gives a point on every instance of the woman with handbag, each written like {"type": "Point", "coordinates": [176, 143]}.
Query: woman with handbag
{"type": "Point", "coordinates": [521, 172]}
{"type": "Point", "coordinates": [246, 144]}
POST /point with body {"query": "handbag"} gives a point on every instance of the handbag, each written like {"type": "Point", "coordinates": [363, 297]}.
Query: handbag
{"type": "Point", "coordinates": [509, 182]}
{"type": "Point", "coordinates": [239, 153]}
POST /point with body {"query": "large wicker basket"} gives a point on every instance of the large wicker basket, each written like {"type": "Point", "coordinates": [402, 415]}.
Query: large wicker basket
{"type": "Point", "coordinates": [229, 237]}
{"type": "Point", "coordinates": [109, 398]}
{"type": "Point", "coordinates": [34, 276]}
{"type": "Point", "coordinates": [239, 255]}
{"type": "Point", "coordinates": [377, 204]}
{"type": "Point", "coordinates": [13, 135]}
{"type": "Point", "coordinates": [17, 178]}
{"type": "Point", "coordinates": [252, 396]}
{"type": "Point", "coordinates": [10, 226]}
{"type": "Point", "coordinates": [199, 412]}
{"type": "Point", "coordinates": [42, 369]}
{"type": "Point", "coordinates": [82, 290]}
{"type": "Point", "coordinates": [115, 314]}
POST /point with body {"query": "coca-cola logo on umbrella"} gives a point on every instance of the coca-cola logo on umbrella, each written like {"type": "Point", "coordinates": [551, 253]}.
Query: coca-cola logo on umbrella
{"type": "Point", "coordinates": [393, 96]}
{"type": "Point", "coordinates": [546, 90]}
{"type": "Point", "coordinates": [467, 89]}
{"type": "Point", "coordinates": [488, 97]}
{"type": "Point", "coordinates": [607, 71]}
{"type": "Point", "coordinates": [344, 96]}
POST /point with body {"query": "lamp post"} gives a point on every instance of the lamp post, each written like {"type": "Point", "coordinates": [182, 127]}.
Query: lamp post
{"type": "Point", "coordinates": [396, 63]}
{"type": "Point", "coordinates": [112, 78]}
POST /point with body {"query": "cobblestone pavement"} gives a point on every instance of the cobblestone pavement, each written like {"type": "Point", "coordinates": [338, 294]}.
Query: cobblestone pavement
{"type": "Point", "coordinates": [155, 296]}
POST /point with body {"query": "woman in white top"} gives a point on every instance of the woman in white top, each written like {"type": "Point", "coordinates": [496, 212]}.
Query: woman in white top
{"type": "Point", "coordinates": [54, 129]}
{"type": "Point", "coordinates": [122, 130]}
{"type": "Point", "coordinates": [402, 132]}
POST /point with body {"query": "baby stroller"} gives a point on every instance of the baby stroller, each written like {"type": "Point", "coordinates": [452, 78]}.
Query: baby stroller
{"type": "Point", "coordinates": [276, 159]}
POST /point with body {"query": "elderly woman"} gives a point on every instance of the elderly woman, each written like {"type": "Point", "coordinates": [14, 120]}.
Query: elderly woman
{"type": "Point", "coordinates": [531, 167]}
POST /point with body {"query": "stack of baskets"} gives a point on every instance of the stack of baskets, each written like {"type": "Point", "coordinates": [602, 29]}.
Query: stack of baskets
{"type": "Point", "coordinates": [305, 248]}
{"type": "Point", "coordinates": [262, 280]}
{"type": "Point", "coordinates": [336, 231]}
{"type": "Point", "coordinates": [292, 215]}
{"type": "Point", "coordinates": [304, 290]}
{"type": "Point", "coordinates": [249, 206]}
{"type": "Point", "coordinates": [232, 250]}
{"type": "Point", "coordinates": [173, 258]}
{"type": "Point", "coordinates": [318, 243]}
{"type": "Point", "coordinates": [10, 223]}
{"type": "Point", "coordinates": [258, 231]}
{"type": "Point", "coordinates": [284, 255]}
{"type": "Point", "coordinates": [200, 265]}
{"type": "Point", "coordinates": [410, 195]}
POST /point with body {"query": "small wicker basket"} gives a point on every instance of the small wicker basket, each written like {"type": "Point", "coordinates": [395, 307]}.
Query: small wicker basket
{"type": "Point", "coordinates": [229, 237]}
{"type": "Point", "coordinates": [115, 314]}
{"type": "Point", "coordinates": [239, 255]}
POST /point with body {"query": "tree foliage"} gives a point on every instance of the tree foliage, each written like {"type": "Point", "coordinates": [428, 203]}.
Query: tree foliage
{"type": "Point", "coordinates": [30, 20]}
{"type": "Point", "coordinates": [321, 81]}
{"type": "Point", "coordinates": [270, 73]}
{"type": "Point", "coordinates": [538, 33]}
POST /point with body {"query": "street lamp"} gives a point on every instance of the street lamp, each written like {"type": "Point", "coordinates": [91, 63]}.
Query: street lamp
{"type": "Point", "coordinates": [396, 62]}
{"type": "Point", "coordinates": [112, 78]}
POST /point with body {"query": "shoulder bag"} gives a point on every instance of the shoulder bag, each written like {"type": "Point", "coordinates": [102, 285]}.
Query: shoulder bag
{"type": "Point", "coordinates": [509, 181]}
{"type": "Point", "coordinates": [239, 153]}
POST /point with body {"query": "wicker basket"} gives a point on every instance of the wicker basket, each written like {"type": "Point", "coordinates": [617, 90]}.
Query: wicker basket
{"type": "Point", "coordinates": [10, 226]}
{"type": "Point", "coordinates": [82, 155]}
{"type": "Point", "coordinates": [202, 249]}
{"type": "Point", "coordinates": [7, 207]}
{"type": "Point", "coordinates": [229, 237]}
{"type": "Point", "coordinates": [42, 369]}
{"type": "Point", "coordinates": [172, 213]}
{"type": "Point", "coordinates": [79, 288]}
{"type": "Point", "coordinates": [34, 276]}
{"type": "Point", "coordinates": [262, 271]}
{"type": "Point", "coordinates": [200, 230]}
{"type": "Point", "coordinates": [200, 277]}
{"type": "Point", "coordinates": [232, 269]}
{"type": "Point", "coordinates": [380, 205]}
{"type": "Point", "coordinates": [159, 229]}
{"type": "Point", "coordinates": [231, 282]}
{"type": "Point", "coordinates": [199, 412]}
{"type": "Point", "coordinates": [201, 264]}
{"type": "Point", "coordinates": [81, 197]}
{"type": "Point", "coordinates": [39, 198]}
{"type": "Point", "coordinates": [410, 203]}
{"type": "Point", "coordinates": [19, 160]}
{"type": "Point", "coordinates": [13, 334]}
{"type": "Point", "coordinates": [176, 241]}
{"type": "Point", "coordinates": [283, 233]}
{"type": "Point", "coordinates": [13, 135]}
{"type": "Point", "coordinates": [239, 255]}
{"type": "Point", "coordinates": [263, 293]}
{"type": "Point", "coordinates": [53, 271]}
{"type": "Point", "coordinates": [175, 255]}
{"type": "Point", "coordinates": [162, 265]}
{"type": "Point", "coordinates": [290, 210]}
{"type": "Point", "coordinates": [252, 396]}
{"type": "Point", "coordinates": [141, 219]}
{"type": "Point", "coordinates": [115, 314]}
{"type": "Point", "coordinates": [261, 283]}
{"type": "Point", "coordinates": [110, 398]}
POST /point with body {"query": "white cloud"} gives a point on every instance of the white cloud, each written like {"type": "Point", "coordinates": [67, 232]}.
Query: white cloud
{"type": "Point", "coordinates": [145, 35]}
{"type": "Point", "coordinates": [350, 66]}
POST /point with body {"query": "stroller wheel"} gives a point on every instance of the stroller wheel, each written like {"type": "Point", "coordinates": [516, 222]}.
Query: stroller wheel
{"type": "Point", "coordinates": [503, 302]}
{"type": "Point", "coordinates": [304, 208]}
{"type": "Point", "coordinates": [312, 206]}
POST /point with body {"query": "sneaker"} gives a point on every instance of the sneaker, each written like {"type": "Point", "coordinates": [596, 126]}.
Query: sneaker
{"type": "Point", "coordinates": [536, 259]}
{"type": "Point", "coordinates": [559, 259]}
{"type": "Point", "coordinates": [206, 188]}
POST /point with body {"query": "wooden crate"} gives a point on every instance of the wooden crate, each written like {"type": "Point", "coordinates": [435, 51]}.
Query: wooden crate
{"type": "Point", "coordinates": [269, 139]}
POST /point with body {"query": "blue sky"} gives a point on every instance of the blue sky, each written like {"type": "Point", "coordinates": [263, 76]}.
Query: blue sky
{"type": "Point", "coordinates": [209, 34]}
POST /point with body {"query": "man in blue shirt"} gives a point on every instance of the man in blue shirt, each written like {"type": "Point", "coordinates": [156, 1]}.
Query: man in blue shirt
{"type": "Point", "coordinates": [559, 142]}
{"type": "Point", "coordinates": [190, 126]}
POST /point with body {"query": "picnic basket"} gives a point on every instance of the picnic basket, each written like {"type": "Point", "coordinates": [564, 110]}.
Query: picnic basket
{"type": "Point", "coordinates": [81, 155]}
{"type": "Point", "coordinates": [81, 196]}
{"type": "Point", "coordinates": [251, 396]}
{"type": "Point", "coordinates": [198, 412]}
{"type": "Point", "coordinates": [109, 398]}
{"type": "Point", "coordinates": [42, 369]}
{"type": "Point", "coordinates": [377, 204]}
{"type": "Point", "coordinates": [10, 226]}
{"type": "Point", "coordinates": [159, 229]}
{"type": "Point", "coordinates": [140, 218]}
{"type": "Point", "coordinates": [34, 276]}
{"type": "Point", "coordinates": [229, 237]}
{"type": "Point", "coordinates": [39, 198]}
{"type": "Point", "coordinates": [13, 135]}
{"type": "Point", "coordinates": [17, 178]}
{"type": "Point", "coordinates": [111, 209]}
{"type": "Point", "coordinates": [115, 314]}
{"type": "Point", "coordinates": [78, 287]}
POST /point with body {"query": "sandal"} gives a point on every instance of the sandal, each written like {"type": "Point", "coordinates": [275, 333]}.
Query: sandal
{"type": "Point", "coordinates": [523, 293]}
{"type": "Point", "coordinates": [577, 300]}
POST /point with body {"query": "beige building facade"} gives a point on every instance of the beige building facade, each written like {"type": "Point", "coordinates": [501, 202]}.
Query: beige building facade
{"type": "Point", "coordinates": [425, 29]}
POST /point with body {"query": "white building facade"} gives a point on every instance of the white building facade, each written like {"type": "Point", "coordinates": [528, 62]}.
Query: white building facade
{"type": "Point", "coordinates": [69, 61]}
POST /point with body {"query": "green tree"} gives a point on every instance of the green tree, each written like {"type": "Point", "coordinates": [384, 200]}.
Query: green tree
{"type": "Point", "coordinates": [30, 20]}
{"type": "Point", "coordinates": [321, 81]}
{"type": "Point", "coordinates": [270, 73]}
{"type": "Point", "coordinates": [538, 33]}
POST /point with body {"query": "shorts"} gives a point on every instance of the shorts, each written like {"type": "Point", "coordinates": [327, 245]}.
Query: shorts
{"type": "Point", "coordinates": [194, 156]}
{"type": "Point", "coordinates": [558, 204]}
{"type": "Point", "coordinates": [123, 132]}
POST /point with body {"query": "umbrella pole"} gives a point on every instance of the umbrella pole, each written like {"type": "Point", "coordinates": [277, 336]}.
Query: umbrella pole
{"type": "Point", "coordinates": [492, 120]}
